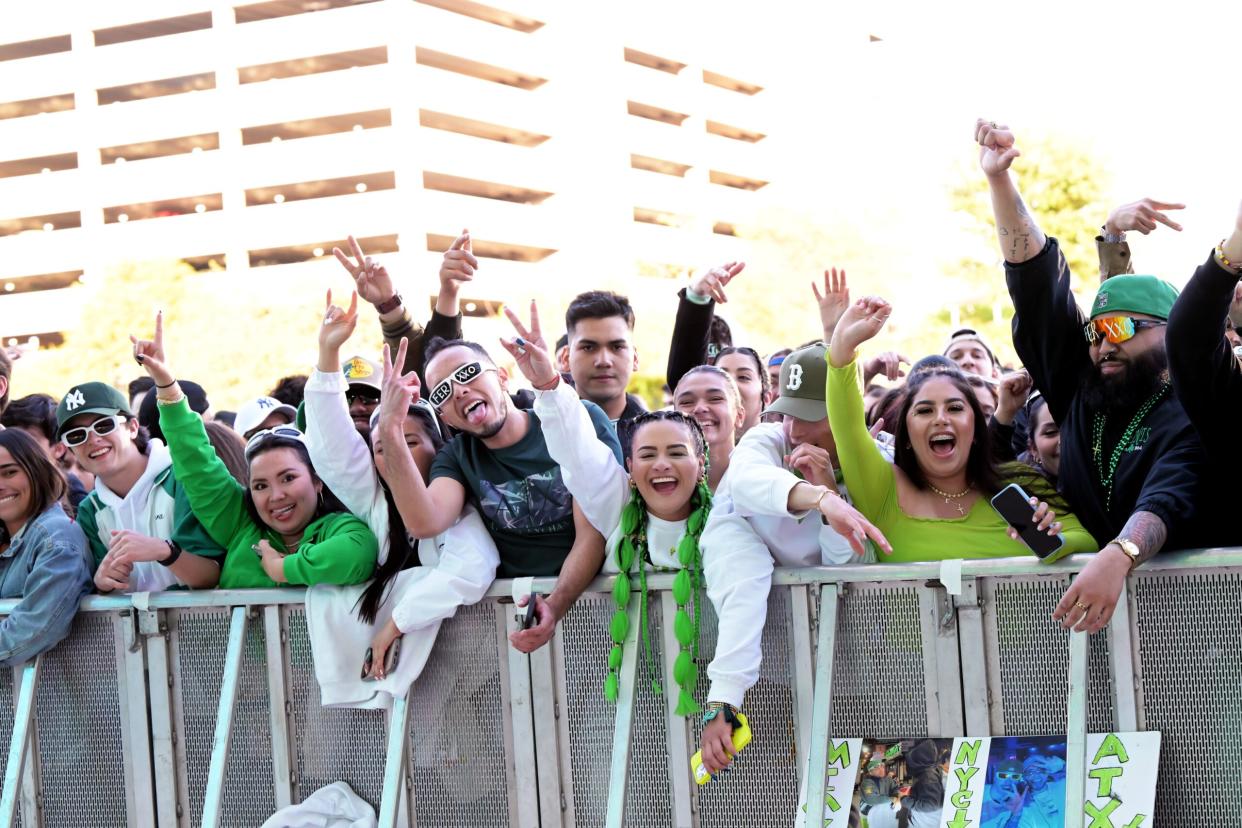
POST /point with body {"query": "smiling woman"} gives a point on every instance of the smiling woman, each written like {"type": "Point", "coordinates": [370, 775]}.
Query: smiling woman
{"type": "Point", "coordinates": [284, 527]}
{"type": "Point", "coordinates": [42, 553]}
{"type": "Point", "coordinates": [933, 501]}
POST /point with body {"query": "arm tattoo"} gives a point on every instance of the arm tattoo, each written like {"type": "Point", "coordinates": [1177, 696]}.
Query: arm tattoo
{"type": "Point", "coordinates": [1148, 533]}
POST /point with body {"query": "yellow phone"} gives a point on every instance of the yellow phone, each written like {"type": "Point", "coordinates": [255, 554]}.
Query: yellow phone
{"type": "Point", "coordinates": [741, 738]}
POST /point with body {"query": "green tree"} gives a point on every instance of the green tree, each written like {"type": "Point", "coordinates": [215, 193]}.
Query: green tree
{"type": "Point", "coordinates": [228, 334]}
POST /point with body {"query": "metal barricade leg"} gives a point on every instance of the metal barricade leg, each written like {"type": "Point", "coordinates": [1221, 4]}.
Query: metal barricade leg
{"type": "Point", "coordinates": [821, 715]}
{"type": "Point", "coordinates": [394, 764]}
{"type": "Point", "coordinates": [618, 775]}
{"type": "Point", "coordinates": [23, 719]}
{"type": "Point", "coordinates": [1076, 731]}
{"type": "Point", "coordinates": [679, 749]}
{"type": "Point", "coordinates": [224, 718]}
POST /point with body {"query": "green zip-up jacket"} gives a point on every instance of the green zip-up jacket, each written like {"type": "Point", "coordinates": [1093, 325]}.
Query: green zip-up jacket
{"type": "Point", "coordinates": [337, 548]}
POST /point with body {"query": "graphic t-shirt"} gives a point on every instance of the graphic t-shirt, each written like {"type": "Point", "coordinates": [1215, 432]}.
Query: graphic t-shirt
{"type": "Point", "coordinates": [520, 494]}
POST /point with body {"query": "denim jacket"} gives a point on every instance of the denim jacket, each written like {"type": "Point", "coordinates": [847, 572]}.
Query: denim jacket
{"type": "Point", "coordinates": [45, 566]}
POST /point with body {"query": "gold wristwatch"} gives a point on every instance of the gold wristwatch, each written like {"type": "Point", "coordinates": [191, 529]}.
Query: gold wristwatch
{"type": "Point", "coordinates": [1131, 550]}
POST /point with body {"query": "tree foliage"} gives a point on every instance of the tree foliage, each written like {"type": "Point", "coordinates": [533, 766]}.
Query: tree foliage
{"type": "Point", "coordinates": [233, 337]}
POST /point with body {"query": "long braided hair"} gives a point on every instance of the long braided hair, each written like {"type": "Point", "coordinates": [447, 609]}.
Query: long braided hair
{"type": "Point", "coordinates": [687, 585]}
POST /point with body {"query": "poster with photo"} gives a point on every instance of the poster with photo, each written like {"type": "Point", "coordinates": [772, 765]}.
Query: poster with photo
{"type": "Point", "coordinates": [1001, 782]}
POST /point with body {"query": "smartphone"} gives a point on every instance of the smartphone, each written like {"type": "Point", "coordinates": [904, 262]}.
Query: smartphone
{"type": "Point", "coordinates": [528, 620]}
{"type": "Point", "coordinates": [741, 738]}
{"type": "Point", "coordinates": [1014, 505]}
{"type": "Point", "coordinates": [391, 659]}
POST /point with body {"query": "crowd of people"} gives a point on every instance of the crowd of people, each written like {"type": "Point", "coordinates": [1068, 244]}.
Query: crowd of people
{"type": "Point", "coordinates": [403, 487]}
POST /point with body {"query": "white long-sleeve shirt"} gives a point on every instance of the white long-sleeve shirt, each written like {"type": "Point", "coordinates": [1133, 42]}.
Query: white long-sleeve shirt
{"type": "Point", "coordinates": [749, 532]}
{"type": "Point", "coordinates": [457, 566]}
{"type": "Point", "coordinates": [598, 483]}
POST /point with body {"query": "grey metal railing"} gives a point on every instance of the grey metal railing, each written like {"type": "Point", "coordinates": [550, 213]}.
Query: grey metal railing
{"type": "Point", "coordinates": [201, 708]}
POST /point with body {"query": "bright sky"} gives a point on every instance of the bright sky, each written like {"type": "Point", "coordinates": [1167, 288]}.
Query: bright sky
{"type": "Point", "coordinates": [1151, 88]}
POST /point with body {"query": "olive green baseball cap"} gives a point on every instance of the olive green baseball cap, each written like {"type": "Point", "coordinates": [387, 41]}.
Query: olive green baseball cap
{"type": "Point", "coordinates": [804, 376]}
{"type": "Point", "coordinates": [1134, 294]}
{"type": "Point", "coordinates": [90, 398]}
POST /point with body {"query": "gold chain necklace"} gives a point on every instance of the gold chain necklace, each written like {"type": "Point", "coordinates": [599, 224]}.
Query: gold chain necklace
{"type": "Point", "coordinates": [950, 498]}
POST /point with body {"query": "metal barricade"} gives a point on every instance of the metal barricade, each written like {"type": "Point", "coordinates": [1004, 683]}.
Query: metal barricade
{"type": "Point", "coordinates": [186, 709]}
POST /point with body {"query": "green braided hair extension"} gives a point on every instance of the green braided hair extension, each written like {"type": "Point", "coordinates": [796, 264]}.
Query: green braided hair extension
{"type": "Point", "coordinates": [687, 585]}
{"type": "Point", "coordinates": [631, 516]}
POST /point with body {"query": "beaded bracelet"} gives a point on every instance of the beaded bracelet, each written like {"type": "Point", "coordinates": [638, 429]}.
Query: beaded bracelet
{"type": "Point", "coordinates": [1223, 260]}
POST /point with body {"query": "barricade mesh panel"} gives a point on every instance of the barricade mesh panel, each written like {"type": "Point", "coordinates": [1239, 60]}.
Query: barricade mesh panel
{"type": "Point", "coordinates": [457, 745]}
{"type": "Point", "coordinates": [332, 744]}
{"type": "Point", "coordinates": [879, 686]}
{"type": "Point", "coordinates": [79, 718]}
{"type": "Point", "coordinates": [1192, 691]}
{"type": "Point", "coordinates": [7, 689]}
{"type": "Point", "coordinates": [648, 799]}
{"type": "Point", "coordinates": [584, 631]}
{"type": "Point", "coordinates": [762, 789]}
{"type": "Point", "coordinates": [203, 636]}
{"type": "Point", "coordinates": [1033, 656]}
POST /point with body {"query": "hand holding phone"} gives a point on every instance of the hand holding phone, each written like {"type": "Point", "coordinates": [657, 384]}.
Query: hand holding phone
{"type": "Point", "coordinates": [528, 620]}
{"type": "Point", "coordinates": [391, 658]}
{"type": "Point", "coordinates": [1032, 523]}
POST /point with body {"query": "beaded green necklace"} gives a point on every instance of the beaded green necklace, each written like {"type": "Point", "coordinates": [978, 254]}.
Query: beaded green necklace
{"type": "Point", "coordinates": [687, 585]}
{"type": "Point", "coordinates": [1097, 446]}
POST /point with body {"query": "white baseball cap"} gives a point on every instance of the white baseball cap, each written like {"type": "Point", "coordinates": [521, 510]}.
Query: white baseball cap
{"type": "Point", "coordinates": [252, 414]}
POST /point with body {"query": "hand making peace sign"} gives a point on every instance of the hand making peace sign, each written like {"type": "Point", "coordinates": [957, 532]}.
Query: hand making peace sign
{"type": "Point", "coordinates": [529, 350]}
{"type": "Point", "coordinates": [371, 279]}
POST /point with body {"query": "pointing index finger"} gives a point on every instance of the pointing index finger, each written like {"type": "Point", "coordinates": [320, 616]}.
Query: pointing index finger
{"type": "Point", "coordinates": [159, 330]}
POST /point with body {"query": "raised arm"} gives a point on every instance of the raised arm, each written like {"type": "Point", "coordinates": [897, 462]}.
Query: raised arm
{"type": "Point", "coordinates": [693, 324]}
{"type": "Point", "coordinates": [599, 485]}
{"type": "Point", "coordinates": [427, 509]}
{"type": "Point", "coordinates": [215, 497]}
{"type": "Point", "coordinates": [1141, 216]}
{"type": "Point", "coordinates": [337, 451]}
{"type": "Point", "coordinates": [868, 474]}
{"type": "Point", "coordinates": [1205, 372]}
{"type": "Point", "coordinates": [1020, 237]}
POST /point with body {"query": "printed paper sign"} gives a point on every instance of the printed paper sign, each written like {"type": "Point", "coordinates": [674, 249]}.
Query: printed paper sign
{"type": "Point", "coordinates": [1000, 782]}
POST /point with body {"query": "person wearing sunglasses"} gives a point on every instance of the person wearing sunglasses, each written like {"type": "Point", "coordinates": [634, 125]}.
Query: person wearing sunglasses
{"type": "Point", "coordinates": [499, 463]}
{"type": "Point", "coordinates": [1131, 463]}
{"type": "Point", "coordinates": [285, 526]}
{"type": "Point", "coordinates": [43, 554]}
{"type": "Point", "coordinates": [143, 533]}
{"type": "Point", "coordinates": [418, 583]}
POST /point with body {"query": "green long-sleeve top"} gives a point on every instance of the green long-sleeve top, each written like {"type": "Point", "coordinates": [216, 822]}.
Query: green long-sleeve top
{"type": "Point", "coordinates": [872, 483]}
{"type": "Point", "coordinates": [337, 548]}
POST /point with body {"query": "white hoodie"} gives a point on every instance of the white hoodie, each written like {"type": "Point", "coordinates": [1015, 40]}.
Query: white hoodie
{"type": "Point", "coordinates": [457, 566]}
{"type": "Point", "coordinates": [147, 510]}
{"type": "Point", "coordinates": [749, 531]}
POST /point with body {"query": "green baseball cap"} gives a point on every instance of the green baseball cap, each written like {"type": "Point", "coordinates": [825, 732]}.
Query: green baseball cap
{"type": "Point", "coordinates": [1134, 294]}
{"type": "Point", "coordinates": [804, 375]}
{"type": "Point", "coordinates": [90, 398]}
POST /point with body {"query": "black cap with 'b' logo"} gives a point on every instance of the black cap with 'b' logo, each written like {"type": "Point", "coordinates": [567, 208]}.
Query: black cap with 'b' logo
{"type": "Point", "coordinates": [804, 375]}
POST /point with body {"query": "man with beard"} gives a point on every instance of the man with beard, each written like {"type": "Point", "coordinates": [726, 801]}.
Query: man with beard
{"type": "Point", "coordinates": [1130, 461]}
{"type": "Point", "coordinates": [501, 462]}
